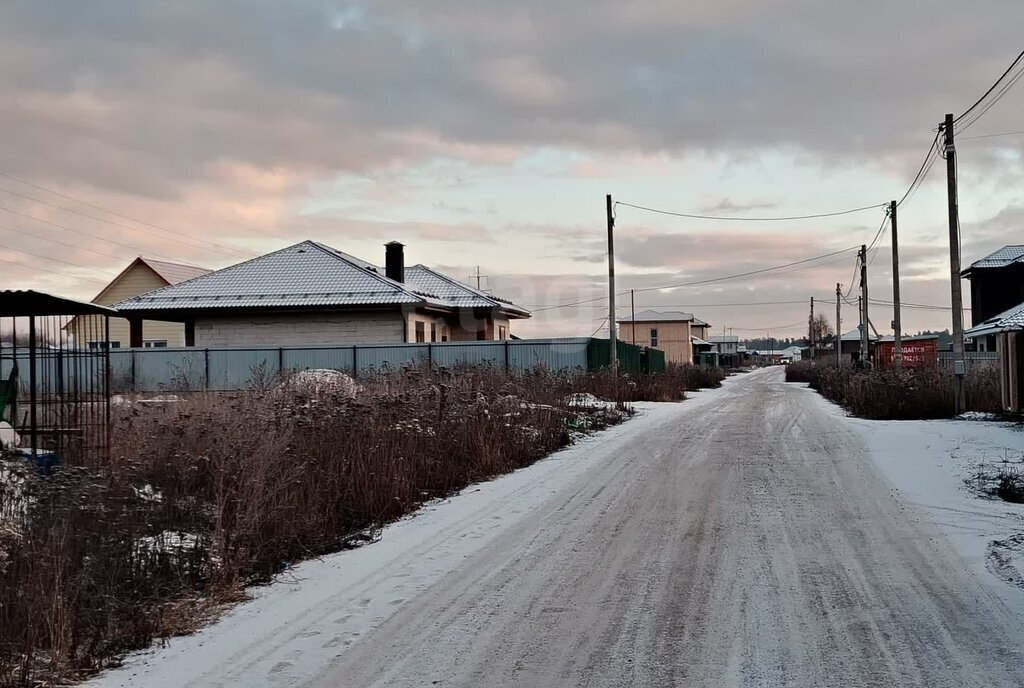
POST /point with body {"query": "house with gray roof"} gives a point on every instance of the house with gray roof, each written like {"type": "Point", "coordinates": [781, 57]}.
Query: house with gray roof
{"type": "Point", "coordinates": [997, 283]}
{"type": "Point", "coordinates": [140, 276]}
{"type": "Point", "coordinates": [680, 335]}
{"type": "Point", "coordinates": [311, 294]}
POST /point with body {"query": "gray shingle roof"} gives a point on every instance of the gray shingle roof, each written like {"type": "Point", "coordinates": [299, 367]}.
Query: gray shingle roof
{"type": "Point", "coordinates": [1007, 321]}
{"type": "Point", "coordinates": [308, 274]}
{"type": "Point", "coordinates": [1007, 255]}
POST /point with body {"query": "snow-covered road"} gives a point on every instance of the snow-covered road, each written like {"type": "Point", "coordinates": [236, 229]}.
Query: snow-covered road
{"type": "Point", "coordinates": [742, 538]}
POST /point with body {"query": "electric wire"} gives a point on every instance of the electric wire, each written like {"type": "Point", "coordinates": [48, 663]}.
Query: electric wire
{"type": "Point", "coordinates": [221, 247]}
{"type": "Point", "coordinates": [1016, 61]}
{"type": "Point", "coordinates": [694, 216]}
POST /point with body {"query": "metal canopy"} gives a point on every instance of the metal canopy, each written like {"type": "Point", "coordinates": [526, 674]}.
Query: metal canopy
{"type": "Point", "coordinates": [25, 303]}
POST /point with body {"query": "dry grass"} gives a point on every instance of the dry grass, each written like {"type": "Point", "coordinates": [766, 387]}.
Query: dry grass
{"type": "Point", "coordinates": [894, 394]}
{"type": "Point", "coordinates": [207, 495]}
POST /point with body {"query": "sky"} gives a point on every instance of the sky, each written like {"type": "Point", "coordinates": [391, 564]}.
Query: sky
{"type": "Point", "coordinates": [486, 134]}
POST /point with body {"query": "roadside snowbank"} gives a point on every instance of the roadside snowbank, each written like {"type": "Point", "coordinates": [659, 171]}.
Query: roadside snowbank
{"type": "Point", "coordinates": [930, 462]}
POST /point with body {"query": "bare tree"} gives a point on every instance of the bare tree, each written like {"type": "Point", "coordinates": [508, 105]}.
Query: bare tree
{"type": "Point", "coordinates": [821, 330]}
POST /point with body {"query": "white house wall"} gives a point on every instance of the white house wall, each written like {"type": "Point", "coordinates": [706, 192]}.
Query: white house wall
{"type": "Point", "coordinates": [301, 329]}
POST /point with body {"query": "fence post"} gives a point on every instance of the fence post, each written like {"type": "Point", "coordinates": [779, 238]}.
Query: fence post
{"type": "Point", "coordinates": [355, 368]}
{"type": "Point", "coordinates": [508, 362]}
{"type": "Point", "coordinates": [206, 376]}
{"type": "Point", "coordinates": [430, 354]}
{"type": "Point", "coordinates": [134, 382]}
{"type": "Point", "coordinates": [280, 360]}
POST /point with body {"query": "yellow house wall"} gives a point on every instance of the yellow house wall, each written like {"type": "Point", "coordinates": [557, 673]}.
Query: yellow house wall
{"type": "Point", "coordinates": [673, 338]}
{"type": "Point", "coordinates": [138, 280]}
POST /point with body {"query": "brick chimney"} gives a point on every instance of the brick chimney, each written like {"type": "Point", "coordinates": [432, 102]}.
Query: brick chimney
{"type": "Point", "coordinates": [394, 261]}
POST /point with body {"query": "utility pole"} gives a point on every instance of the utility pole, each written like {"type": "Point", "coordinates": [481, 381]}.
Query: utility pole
{"type": "Point", "coordinates": [959, 368]}
{"type": "Point", "coordinates": [864, 341]}
{"type": "Point", "coordinates": [839, 326]}
{"type": "Point", "coordinates": [611, 286]}
{"type": "Point", "coordinates": [897, 325]}
{"type": "Point", "coordinates": [810, 328]}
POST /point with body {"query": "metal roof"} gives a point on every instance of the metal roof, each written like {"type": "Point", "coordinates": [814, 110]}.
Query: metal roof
{"type": "Point", "coordinates": [725, 339]}
{"type": "Point", "coordinates": [659, 316]}
{"type": "Point", "coordinates": [308, 274]}
{"type": "Point", "coordinates": [28, 302]}
{"type": "Point", "coordinates": [1007, 255]}
{"type": "Point", "coordinates": [173, 273]}
{"type": "Point", "coordinates": [1008, 321]}
{"type": "Point", "coordinates": [453, 291]}
{"type": "Point", "coordinates": [700, 342]}
{"type": "Point", "coordinates": [854, 336]}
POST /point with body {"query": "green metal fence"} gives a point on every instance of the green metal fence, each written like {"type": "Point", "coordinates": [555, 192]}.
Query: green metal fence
{"type": "Point", "coordinates": [632, 358]}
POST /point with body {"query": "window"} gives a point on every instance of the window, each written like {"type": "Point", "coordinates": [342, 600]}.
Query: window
{"type": "Point", "coordinates": [502, 332]}
{"type": "Point", "coordinates": [154, 343]}
{"type": "Point", "coordinates": [654, 338]}
{"type": "Point", "coordinates": [421, 332]}
{"type": "Point", "coordinates": [103, 345]}
{"type": "Point", "coordinates": [433, 332]}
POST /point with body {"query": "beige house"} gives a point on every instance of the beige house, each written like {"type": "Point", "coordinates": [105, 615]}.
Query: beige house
{"type": "Point", "coordinates": [141, 276]}
{"type": "Point", "coordinates": [312, 294]}
{"type": "Point", "coordinates": [670, 331]}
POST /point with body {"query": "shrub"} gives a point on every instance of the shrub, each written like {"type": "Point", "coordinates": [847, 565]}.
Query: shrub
{"type": "Point", "coordinates": [208, 493]}
{"type": "Point", "coordinates": [898, 393]}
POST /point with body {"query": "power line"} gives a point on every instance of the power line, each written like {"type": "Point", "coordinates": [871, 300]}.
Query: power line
{"type": "Point", "coordinates": [222, 248]}
{"type": "Point", "coordinates": [922, 172]}
{"type": "Point", "coordinates": [999, 96]}
{"type": "Point", "coordinates": [748, 219]}
{"type": "Point", "coordinates": [990, 136]}
{"type": "Point", "coordinates": [58, 260]}
{"type": "Point", "coordinates": [52, 272]}
{"type": "Point", "coordinates": [747, 274]}
{"type": "Point", "coordinates": [76, 247]}
{"type": "Point", "coordinates": [78, 231]}
{"type": "Point", "coordinates": [985, 95]}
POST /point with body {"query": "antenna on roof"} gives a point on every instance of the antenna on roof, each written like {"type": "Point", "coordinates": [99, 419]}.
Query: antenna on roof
{"type": "Point", "coordinates": [478, 277]}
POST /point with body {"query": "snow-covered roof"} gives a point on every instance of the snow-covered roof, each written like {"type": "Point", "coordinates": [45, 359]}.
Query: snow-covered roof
{"type": "Point", "coordinates": [725, 339]}
{"type": "Point", "coordinates": [1008, 321]}
{"type": "Point", "coordinates": [1007, 255]}
{"type": "Point", "coordinates": [854, 336]}
{"type": "Point", "coordinates": [700, 342]}
{"type": "Point", "coordinates": [659, 316]}
{"type": "Point", "coordinates": [311, 274]}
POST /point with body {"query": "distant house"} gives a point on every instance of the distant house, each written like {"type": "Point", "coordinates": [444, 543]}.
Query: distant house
{"type": "Point", "coordinates": [142, 275]}
{"type": "Point", "coordinates": [726, 344]}
{"type": "Point", "coordinates": [997, 285]}
{"type": "Point", "coordinates": [310, 294]}
{"type": "Point", "coordinates": [850, 343]}
{"type": "Point", "coordinates": [670, 331]}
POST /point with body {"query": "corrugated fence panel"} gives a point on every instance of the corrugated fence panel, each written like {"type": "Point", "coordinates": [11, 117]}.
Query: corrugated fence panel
{"type": "Point", "coordinates": [468, 353]}
{"type": "Point", "coordinates": [554, 354]}
{"type": "Point", "coordinates": [159, 370]}
{"type": "Point", "coordinates": [377, 358]}
{"type": "Point", "coordinates": [327, 358]}
{"type": "Point", "coordinates": [232, 369]}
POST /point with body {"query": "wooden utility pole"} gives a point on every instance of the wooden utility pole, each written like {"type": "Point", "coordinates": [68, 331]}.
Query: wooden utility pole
{"type": "Point", "coordinates": [897, 325]}
{"type": "Point", "coordinates": [611, 285]}
{"type": "Point", "coordinates": [959, 367]}
{"type": "Point", "coordinates": [810, 328]}
{"type": "Point", "coordinates": [865, 343]}
{"type": "Point", "coordinates": [839, 326]}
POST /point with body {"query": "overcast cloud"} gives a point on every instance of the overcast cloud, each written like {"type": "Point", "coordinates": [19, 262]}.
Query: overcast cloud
{"type": "Point", "coordinates": [486, 133]}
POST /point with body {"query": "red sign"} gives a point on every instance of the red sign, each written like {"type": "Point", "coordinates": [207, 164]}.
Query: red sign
{"type": "Point", "coordinates": [916, 352]}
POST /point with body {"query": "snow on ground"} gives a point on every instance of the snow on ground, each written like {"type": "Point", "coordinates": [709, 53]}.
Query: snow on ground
{"type": "Point", "coordinates": [295, 627]}
{"type": "Point", "coordinates": [929, 461]}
